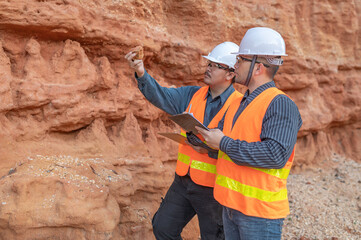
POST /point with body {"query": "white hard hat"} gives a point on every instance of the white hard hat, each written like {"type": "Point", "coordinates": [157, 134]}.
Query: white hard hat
{"type": "Point", "coordinates": [222, 53]}
{"type": "Point", "coordinates": [265, 42]}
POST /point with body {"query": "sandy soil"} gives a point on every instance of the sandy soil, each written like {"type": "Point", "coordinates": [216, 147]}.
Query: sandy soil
{"type": "Point", "coordinates": [325, 202]}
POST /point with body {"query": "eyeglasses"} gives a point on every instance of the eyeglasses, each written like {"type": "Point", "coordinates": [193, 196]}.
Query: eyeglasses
{"type": "Point", "coordinates": [239, 58]}
{"type": "Point", "coordinates": [217, 65]}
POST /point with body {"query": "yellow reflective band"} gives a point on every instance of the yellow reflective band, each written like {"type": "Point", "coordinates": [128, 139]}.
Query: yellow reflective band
{"type": "Point", "coordinates": [280, 173]}
{"type": "Point", "coordinates": [184, 158]}
{"type": "Point", "coordinates": [253, 192]}
{"type": "Point", "coordinates": [224, 156]}
{"type": "Point", "coordinates": [204, 166]}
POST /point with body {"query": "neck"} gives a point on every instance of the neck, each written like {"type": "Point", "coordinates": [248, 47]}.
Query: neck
{"type": "Point", "coordinates": [218, 90]}
{"type": "Point", "coordinates": [257, 82]}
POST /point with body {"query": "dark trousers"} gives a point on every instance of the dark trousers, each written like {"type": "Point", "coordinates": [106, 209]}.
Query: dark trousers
{"type": "Point", "coordinates": [183, 200]}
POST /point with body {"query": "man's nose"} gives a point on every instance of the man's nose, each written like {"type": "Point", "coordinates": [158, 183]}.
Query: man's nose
{"type": "Point", "coordinates": [236, 65]}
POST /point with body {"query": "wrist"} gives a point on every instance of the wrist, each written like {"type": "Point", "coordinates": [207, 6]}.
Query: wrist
{"type": "Point", "coordinates": [224, 143]}
{"type": "Point", "coordinates": [140, 73]}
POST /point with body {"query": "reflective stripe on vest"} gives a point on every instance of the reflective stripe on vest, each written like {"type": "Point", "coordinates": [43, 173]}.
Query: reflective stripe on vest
{"type": "Point", "coordinates": [202, 168]}
{"type": "Point", "coordinates": [258, 192]}
{"type": "Point", "coordinates": [280, 173]}
{"type": "Point", "coordinates": [250, 191]}
{"type": "Point", "coordinates": [184, 158]}
{"type": "Point", "coordinates": [207, 167]}
{"type": "Point", "coordinates": [211, 168]}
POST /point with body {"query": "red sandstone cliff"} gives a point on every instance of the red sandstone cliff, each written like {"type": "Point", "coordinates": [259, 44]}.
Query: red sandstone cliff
{"type": "Point", "coordinates": [79, 151]}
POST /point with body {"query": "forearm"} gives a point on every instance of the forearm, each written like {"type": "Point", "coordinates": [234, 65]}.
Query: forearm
{"type": "Point", "coordinates": [171, 100]}
{"type": "Point", "coordinates": [263, 154]}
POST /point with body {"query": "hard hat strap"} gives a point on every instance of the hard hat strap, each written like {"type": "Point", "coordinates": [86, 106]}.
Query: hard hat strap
{"type": "Point", "coordinates": [251, 70]}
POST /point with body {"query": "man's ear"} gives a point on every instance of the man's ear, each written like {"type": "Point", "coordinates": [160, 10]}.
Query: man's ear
{"type": "Point", "coordinates": [230, 76]}
{"type": "Point", "coordinates": [258, 69]}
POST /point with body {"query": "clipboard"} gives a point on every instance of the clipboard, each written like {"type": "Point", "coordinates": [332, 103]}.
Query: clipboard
{"type": "Point", "coordinates": [181, 139]}
{"type": "Point", "coordinates": [187, 122]}
{"type": "Point", "coordinates": [175, 137]}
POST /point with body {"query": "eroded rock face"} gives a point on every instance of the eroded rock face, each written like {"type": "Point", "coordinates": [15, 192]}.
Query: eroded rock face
{"type": "Point", "coordinates": [67, 95]}
{"type": "Point", "coordinates": [52, 192]}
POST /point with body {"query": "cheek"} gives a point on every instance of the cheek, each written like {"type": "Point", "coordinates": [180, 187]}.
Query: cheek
{"type": "Point", "coordinates": [244, 69]}
{"type": "Point", "coordinates": [215, 75]}
{"type": "Point", "coordinates": [221, 76]}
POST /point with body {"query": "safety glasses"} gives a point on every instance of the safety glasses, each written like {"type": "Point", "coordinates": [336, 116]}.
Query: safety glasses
{"type": "Point", "coordinates": [239, 58]}
{"type": "Point", "coordinates": [217, 65]}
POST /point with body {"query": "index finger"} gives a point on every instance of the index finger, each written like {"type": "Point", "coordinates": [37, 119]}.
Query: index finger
{"type": "Point", "coordinates": [130, 56]}
{"type": "Point", "coordinates": [126, 55]}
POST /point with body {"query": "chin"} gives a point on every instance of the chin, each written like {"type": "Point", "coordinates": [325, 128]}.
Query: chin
{"type": "Point", "coordinates": [207, 80]}
{"type": "Point", "coordinates": [238, 80]}
{"type": "Point", "coordinates": [241, 83]}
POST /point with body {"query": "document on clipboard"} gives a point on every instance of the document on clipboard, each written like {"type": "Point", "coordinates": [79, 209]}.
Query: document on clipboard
{"type": "Point", "coordinates": [187, 122]}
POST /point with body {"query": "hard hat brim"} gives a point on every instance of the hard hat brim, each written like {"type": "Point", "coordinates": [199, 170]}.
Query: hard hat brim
{"type": "Point", "coordinates": [211, 59]}
{"type": "Point", "coordinates": [216, 61]}
{"type": "Point", "coordinates": [259, 54]}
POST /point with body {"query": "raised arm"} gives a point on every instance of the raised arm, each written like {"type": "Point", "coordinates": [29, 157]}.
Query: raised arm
{"type": "Point", "coordinates": [171, 100]}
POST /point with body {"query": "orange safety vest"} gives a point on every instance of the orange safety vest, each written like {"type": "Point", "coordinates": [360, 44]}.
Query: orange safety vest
{"type": "Point", "coordinates": [202, 167]}
{"type": "Point", "coordinates": [257, 192]}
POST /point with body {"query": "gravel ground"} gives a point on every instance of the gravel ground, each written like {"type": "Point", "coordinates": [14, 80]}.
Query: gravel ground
{"type": "Point", "coordinates": [325, 202]}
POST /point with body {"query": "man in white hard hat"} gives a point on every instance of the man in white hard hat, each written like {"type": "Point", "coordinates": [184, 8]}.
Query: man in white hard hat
{"type": "Point", "coordinates": [191, 192]}
{"type": "Point", "coordinates": [257, 143]}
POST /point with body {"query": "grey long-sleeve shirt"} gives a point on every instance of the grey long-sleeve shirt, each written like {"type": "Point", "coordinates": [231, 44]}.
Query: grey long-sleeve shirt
{"type": "Point", "coordinates": [280, 125]}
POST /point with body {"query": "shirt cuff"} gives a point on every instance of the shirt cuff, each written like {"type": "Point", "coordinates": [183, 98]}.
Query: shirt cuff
{"type": "Point", "coordinates": [143, 78]}
{"type": "Point", "coordinates": [225, 141]}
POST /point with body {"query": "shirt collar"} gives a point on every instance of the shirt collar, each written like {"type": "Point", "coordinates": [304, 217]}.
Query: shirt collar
{"type": "Point", "coordinates": [258, 91]}
{"type": "Point", "coordinates": [224, 96]}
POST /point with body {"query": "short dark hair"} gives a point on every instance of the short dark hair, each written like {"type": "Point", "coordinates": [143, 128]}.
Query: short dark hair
{"type": "Point", "coordinates": [272, 70]}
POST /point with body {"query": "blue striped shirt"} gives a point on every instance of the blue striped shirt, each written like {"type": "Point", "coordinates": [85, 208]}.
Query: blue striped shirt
{"type": "Point", "coordinates": [280, 126]}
